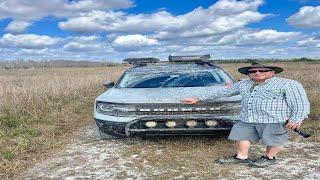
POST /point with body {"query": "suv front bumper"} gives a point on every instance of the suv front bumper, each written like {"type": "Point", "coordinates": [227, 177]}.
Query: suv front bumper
{"type": "Point", "coordinates": [137, 127]}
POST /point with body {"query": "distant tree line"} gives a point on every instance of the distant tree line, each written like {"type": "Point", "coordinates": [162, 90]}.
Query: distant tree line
{"type": "Point", "coordinates": [22, 64]}
{"type": "Point", "coordinates": [302, 59]}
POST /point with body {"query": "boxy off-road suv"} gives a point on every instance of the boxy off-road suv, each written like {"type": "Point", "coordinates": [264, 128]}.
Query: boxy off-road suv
{"type": "Point", "coordinates": [146, 100]}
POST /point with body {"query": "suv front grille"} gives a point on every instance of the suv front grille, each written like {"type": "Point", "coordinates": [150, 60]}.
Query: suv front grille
{"type": "Point", "coordinates": [116, 109]}
{"type": "Point", "coordinates": [183, 111]}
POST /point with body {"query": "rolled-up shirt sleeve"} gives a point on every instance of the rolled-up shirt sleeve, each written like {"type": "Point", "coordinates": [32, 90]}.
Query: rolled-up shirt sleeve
{"type": "Point", "coordinates": [225, 92]}
{"type": "Point", "coordinates": [297, 101]}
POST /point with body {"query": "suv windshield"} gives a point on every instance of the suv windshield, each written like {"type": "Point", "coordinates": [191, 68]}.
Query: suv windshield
{"type": "Point", "coordinates": [201, 78]}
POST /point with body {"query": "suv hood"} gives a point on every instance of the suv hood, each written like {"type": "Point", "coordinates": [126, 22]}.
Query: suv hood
{"type": "Point", "coordinates": [160, 95]}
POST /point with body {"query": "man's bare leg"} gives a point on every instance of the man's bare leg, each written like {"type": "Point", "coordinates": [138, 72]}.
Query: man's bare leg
{"type": "Point", "coordinates": [272, 151]}
{"type": "Point", "coordinates": [242, 154]}
{"type": "Point", "coordinates": [243, 149]}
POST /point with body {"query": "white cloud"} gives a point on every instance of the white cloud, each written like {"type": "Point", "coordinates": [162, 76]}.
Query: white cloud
{"type": "Point", "coordinates": [28, 41]}
{"type": "Point", "coordinates": [84, 44]}
{"type": "Point", "coordinates": [309, 42]}
{"type": "Point", "coordinates": [31, 10]}
{"type": "Point", "coordinates": [89, 5]}
{"type": "Point", "coordinates": [227, 7]}
{"type": "Point", "coordinates": [94, 21]}
{"type": "Point", "coordinates": [34, 52]}
{"type": "Point", "coordinates": [133, 42]}
{"type": "Point", "coordinates": [307, 17]}
{"type": "Point", "coordinates": [85, 38]}
{"type": "Point", "coordinates": [224, 16]}
{"type": "Point", "coordinates": [17, 27]}
{"type": "Point", "coordinates": [35, 9]}
{"type": "Point", "coordinates": [193, 49]}
{"type": "Point", "coordinates": [221, 29]}
{"type": "Point", "coordinates": [278, 51]}
{"type": "Point", "coordinates": [77, 46]}
{"type": "Point", "coordinates": [222, 24]}
{"type": "Point", "coordinates": [267, 36]}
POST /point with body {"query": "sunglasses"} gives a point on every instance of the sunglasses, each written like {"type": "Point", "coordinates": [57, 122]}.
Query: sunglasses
{"type": "Point", "coordinates": [262, 70]}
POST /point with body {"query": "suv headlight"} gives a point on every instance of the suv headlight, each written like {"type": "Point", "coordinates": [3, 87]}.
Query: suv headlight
{"type": "Point", "coordinates": [114, 109]}
{"type": "Point", "coordinates": [104, 107]}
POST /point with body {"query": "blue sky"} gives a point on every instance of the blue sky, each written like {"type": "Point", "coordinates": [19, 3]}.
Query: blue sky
{"type": "Point", "coordinates": [110, 30]}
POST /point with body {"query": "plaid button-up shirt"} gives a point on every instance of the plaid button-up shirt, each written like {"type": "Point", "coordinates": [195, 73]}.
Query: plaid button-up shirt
{"type": "Point", "coordinates": [275, 101]}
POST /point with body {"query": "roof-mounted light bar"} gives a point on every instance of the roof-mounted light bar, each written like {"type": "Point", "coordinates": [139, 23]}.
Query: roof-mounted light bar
{"type": "Point", "coordinates": [189, 58]}
{"type": "Point", "coordinates": [139, 61]}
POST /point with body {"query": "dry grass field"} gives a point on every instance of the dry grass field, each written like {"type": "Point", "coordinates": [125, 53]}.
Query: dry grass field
{"type": "Point", "coordinates": [39, 108]}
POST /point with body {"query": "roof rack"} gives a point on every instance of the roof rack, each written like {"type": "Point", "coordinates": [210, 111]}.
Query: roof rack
{"type": "Point", "coordinates": [199, 59]}
{"type": "Point", "coordinates": [140, 61]}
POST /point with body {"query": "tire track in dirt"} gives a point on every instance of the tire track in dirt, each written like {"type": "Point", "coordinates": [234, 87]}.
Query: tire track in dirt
{"type": "Point", "coordinates": [88, 158]}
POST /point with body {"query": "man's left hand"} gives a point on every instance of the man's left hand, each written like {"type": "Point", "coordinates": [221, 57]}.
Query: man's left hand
{"type": "Point", "coordinates": [293, 125]}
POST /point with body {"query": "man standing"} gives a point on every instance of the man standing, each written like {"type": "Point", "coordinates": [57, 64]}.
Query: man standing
{"type": "Point", "coordinates": [269, 106]}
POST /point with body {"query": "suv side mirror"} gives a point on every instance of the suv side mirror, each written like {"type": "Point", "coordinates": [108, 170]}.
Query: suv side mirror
{"type": "Point", "coordinates": [108, 84]}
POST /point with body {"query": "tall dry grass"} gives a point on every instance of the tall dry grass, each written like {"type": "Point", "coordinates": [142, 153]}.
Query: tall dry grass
{"type": "Point", "coordinates": [41, 107]}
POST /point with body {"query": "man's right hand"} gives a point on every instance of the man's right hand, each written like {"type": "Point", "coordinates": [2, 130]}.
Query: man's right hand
{"type": "Point", "coordinates": [191, 100]}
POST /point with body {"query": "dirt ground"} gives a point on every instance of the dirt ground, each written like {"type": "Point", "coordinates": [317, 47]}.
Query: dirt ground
{"type": "Point", "coordinates": [135, 158]}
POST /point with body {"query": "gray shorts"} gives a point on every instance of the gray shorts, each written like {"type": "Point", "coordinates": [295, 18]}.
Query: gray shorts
{"type": "Point", "coordinates": [271, 134]}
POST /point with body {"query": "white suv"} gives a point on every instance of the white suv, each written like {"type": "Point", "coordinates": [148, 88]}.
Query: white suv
{"type": "Point", "coordinates": [146, 100]}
